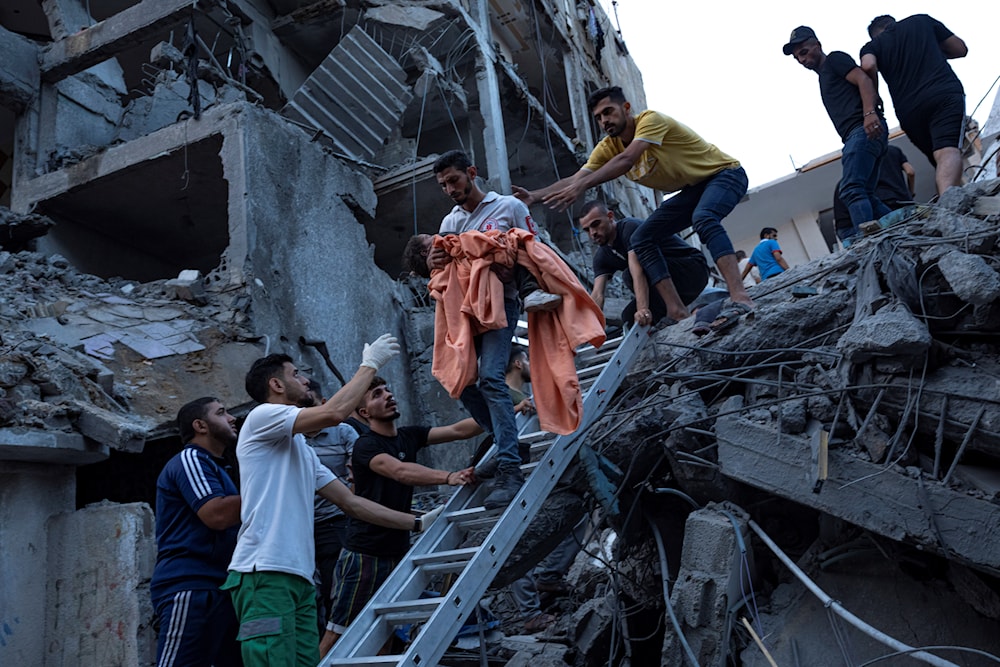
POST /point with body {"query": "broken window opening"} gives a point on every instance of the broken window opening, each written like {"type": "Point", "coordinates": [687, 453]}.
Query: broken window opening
{"type": "Point", "coordinates": [120, 226]}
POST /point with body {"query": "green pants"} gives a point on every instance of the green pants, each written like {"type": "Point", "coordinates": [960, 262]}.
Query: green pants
{"type": "Point", "coordinates": [277, 614]}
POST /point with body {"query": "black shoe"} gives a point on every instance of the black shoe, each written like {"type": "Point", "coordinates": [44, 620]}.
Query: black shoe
{"type": "Point", "coordinates": [487, 470]}
{"type": "Point", "coordinates": [506, 485]}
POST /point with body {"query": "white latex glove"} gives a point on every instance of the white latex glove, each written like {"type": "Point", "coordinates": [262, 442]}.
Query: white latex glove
{"type": "Point", "coordinates": [377, 354]}
{"type": "Point", "coordinates": [430, 517]}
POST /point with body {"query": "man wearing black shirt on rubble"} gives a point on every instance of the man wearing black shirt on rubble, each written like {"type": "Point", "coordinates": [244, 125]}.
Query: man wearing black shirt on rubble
{"type": "Point", "coordinates": [687, 266]}
{"type": "Point", "coordinates": [853, 105]}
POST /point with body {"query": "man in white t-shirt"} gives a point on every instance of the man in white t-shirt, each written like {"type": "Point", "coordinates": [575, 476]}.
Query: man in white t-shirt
{"type": "Point", "coordinates": [271, 573]}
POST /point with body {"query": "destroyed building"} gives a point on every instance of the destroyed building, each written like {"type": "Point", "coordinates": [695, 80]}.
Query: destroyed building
{"type": "Point", "coordinates": [190, 185]}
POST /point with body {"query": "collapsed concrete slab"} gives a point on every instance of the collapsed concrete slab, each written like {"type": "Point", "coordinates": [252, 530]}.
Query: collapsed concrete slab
{"type": "Point", "coordinates": [897, 503]}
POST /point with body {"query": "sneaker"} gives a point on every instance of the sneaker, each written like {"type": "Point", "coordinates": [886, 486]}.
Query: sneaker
{"type": "Point", "coordinates": [870, 227]}
{"type": "Point", "coordinates": [505, 486]}
{"type": "Point", "coordinates": [539, 300]}
{"type": "Point", "coordinates": [538, 623]}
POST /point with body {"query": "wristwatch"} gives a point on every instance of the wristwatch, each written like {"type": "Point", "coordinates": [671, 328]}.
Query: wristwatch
{"type": "Point", "coordinates": [418, 524]}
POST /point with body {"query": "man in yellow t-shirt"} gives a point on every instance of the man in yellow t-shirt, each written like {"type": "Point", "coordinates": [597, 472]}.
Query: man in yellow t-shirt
{"type": "Point", "coordinates": [657, 151]}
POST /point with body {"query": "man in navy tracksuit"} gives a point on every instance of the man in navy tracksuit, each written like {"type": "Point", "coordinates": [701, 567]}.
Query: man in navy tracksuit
{"type": "Point", "coordinates": [197, 520]}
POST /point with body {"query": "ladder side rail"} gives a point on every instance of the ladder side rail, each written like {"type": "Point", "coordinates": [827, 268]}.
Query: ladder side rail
{"type": "Point", "coordinates": [368, 632]}
{"type": "Point", "coordinates": [438, 632]}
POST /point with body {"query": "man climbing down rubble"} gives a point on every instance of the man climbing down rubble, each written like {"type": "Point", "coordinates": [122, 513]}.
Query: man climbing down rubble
{"type": "Point", "coordinates": [385, 472]}
{"type": "Point", "coordinates": [659, 152]}
{"type": "Point", "coordinates": [197, 520]}
{"type": "Point", "coordinates": [856, 111]}
{"type": "Point", "coordinates": [479, 227]}
{"type": "Point", "coordinates": [685, 265]}
{"type": "Point", "coordinates": [271, 572]}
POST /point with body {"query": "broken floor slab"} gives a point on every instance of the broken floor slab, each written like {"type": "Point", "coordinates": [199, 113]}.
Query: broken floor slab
{"type": "Point", "coordinates": [899, 504]}
{"type": "Point", "coordinates": [26, 444]}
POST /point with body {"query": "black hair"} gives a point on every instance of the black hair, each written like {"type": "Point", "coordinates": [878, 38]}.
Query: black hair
{"type": "Point", "coordinates": [196, 409]}
{"type": "Point", "coordinates": [768, 230]}
{"type": "Point", "coordinates": [415, 256]}
{"type": "Point", "coordinates": [515, 353]}
{"type": "Point", "coordinates": [374, 384]}
{"type": "Point", "coordinates": [878, 24]}
{"type": "Point", "coordinates": [614, 92]}
{"type": "Point", "coordinates": [591, 205]}
{"type": "Point", "coordinates": [261, 372]}
{"type": "Point", "coordinates": [455, 158]}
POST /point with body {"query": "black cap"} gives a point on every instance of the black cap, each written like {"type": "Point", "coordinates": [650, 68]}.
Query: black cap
{"type": "Point", "coordinates": [799, 35]}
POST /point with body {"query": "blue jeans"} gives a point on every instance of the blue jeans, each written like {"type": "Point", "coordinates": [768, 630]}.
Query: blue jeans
{"type": "Point", "coordinates": [489, 401]}
{"type": "Point", "coordinates": [702, 207]}
{"type": "Point", "coordinates": [861, 159]}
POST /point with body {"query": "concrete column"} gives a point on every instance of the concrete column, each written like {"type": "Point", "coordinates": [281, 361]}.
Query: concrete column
{"type": "Point", "coordinates": [488, 85]}
{"type": "Point", "coordinates": [578, 101]}
{"type": "Point", "coordinates": [30, 494]}
{"type": "Point", "coordinates": [810, 236]}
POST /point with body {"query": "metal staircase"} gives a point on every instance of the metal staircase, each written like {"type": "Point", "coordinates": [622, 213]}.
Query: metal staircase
{"type": "Point", "coordinates": [439, 550]}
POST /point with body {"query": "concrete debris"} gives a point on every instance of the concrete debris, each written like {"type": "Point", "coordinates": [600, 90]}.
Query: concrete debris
{"type": "Point", "coordinates": [75, 350]}
{"type": "Point", "coordinates": [862, 410]}
{"type": "Point", "coordinates": [17, 231]}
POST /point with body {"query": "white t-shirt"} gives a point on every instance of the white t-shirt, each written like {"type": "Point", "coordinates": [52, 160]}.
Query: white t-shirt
{"type": "Point", "coordinates": [279, 475]}
{"type": "Point", "coordinates": [503, 212]}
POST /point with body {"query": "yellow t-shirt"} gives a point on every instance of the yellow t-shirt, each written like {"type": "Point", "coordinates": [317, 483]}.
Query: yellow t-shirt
{"type": "Point", "coordinates": [676, 158]}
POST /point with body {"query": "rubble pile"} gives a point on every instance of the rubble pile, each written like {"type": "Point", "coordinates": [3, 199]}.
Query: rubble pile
{"type": "Point", "coordinates": [854, 416]}
{"type": "Point", "coordinates": [83, 355]}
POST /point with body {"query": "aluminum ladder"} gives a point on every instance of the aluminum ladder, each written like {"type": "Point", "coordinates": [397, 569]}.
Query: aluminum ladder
{"type": "Point", "coordinates": [438, 551]}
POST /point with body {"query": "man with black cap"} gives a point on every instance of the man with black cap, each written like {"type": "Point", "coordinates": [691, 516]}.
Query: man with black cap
{"type": "Point", "coordinates": [913, 55]}
{"type": "Point", "coordinates": [855, 109]}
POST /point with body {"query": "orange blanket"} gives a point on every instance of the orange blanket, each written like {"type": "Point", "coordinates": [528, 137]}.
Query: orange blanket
{"type": "Point", "coordinates": [470, 301]}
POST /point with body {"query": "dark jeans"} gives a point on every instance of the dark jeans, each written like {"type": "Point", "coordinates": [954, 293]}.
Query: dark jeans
{"type": "Point", "coordinates": [702, 207]}
{"type": "Point", "coordinates": [488, 401]}
{"type": "Point", "coordinates": [861, 160]}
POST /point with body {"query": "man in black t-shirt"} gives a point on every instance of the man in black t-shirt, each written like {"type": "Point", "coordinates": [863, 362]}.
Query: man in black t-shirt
{"type": "Point", "coordinates": [385, 468]}
{"type": "Point", "coordinates": [853, 105]}
{"type": "Point", "coordinates": [686, 265]}
{"type": "Point", "coordinates": [913, 55]}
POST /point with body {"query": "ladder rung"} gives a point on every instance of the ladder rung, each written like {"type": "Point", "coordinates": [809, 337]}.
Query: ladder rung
{"type": "Point", "coordinates": [450, 556]}
{"type": "Point", "coordinates": [608, 344]}
{"type": "Point", "coordinates": [468, 514]}
{"type": "Point", "coordinates": [425, 606]}
{"type": "Point", "coordinates": [601, 356]}
{"type": "Point", "coordinates": [534, 436]}
{"type": "Point", "coordinates": [368, 660]}
{"type": "Point", "coordinates": [591, 371]}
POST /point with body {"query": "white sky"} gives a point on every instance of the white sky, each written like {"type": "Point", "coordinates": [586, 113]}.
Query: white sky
{"type": "Point", "coordinates": [717, 67]}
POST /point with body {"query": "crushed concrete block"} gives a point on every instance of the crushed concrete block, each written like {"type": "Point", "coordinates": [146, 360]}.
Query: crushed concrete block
{"type": "Point", "coordinates": [538, 654]}
{"type": "Point", "coordinates": [891, 332]}
{"type": "Point", "coordinates": [147, 348]}
{"type": "Point", "coordinates": [188, 286]}
{"type": "Point", "coordinates": [793, 415]}
{"type": "Point", "coordinates": [117, 431]}
{"type": "Point", "coordinates": [11, 372]}
{"type": "Point", "coordinates": [592, 622]}
{"type": "Point", "coordinates": [971, 277]}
